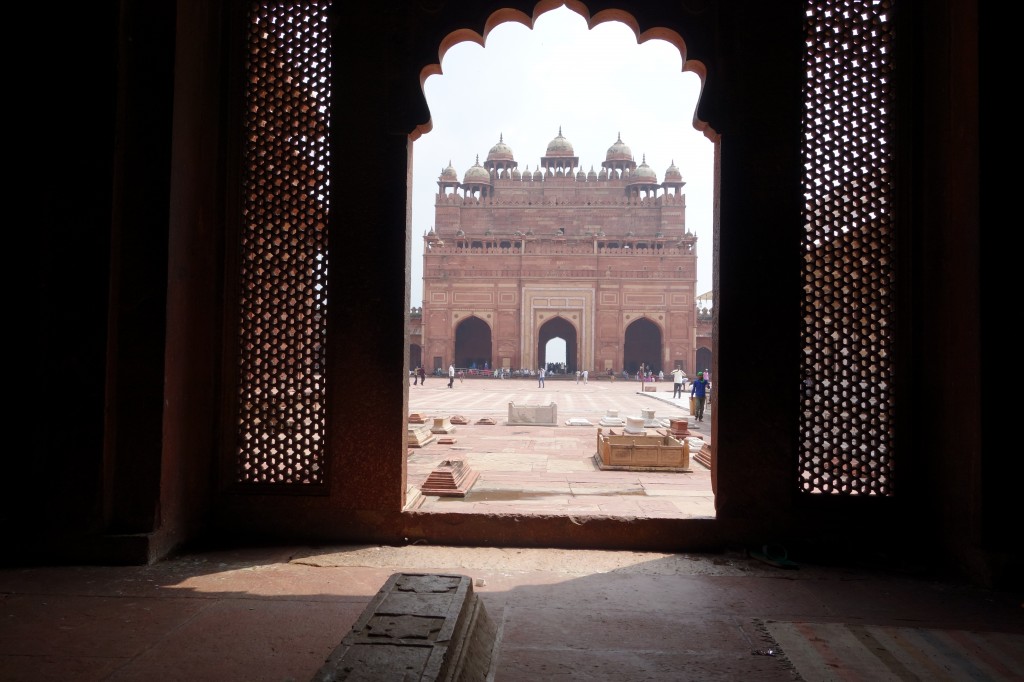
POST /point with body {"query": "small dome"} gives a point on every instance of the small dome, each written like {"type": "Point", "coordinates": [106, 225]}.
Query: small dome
{"type": "Point", "coordinates": [538, 175]}
{"type": "Point", "coordinates": [516, 175]}
{"type": "Point", "coordinates": [619, 151]}
{"type": "Point", "coordinates": [477, 175]}
{"type": "Point", "coordinates": [581, 176]}
{"type": "Point", "coordinates": [449, 174]}
{"type": "Point", "coordinates": [644, 174]}
{"type": "Point", "coordinates": [500, 151]}
{"type": "Point", "coordinates": [673, 174]}
{"type": "Point", "coordinates": [560, 146]}
{"type": "Point", "coordinates": [591, 176]}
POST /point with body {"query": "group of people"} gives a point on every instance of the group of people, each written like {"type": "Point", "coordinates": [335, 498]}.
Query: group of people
{"type": "Point", "coordinates": [698, 390]}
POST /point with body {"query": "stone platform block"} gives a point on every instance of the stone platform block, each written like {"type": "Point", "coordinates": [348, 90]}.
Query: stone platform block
{"type": "Point", "coordinates": [452, 478]}
{"type": "Point", "coordinates": [442, 425]}
{"type": "Point", "coordinates": [419, 435]}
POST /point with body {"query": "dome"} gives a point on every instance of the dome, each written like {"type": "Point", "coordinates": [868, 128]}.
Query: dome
{"type": "Point", "coordinates": [449, 174]}
{"type": "Point", "coordinates": [560, 146]}
{"type": "Point", "coordinates": [643, 175]}
{"type": "Point", "coordinates": [591, 176]}
{"type": "Point", "coordinates": [500, 151]}
{"type": "Point", "coordinates": [581, 176]}
{"type": "Point", "coordinates": [672, 174]}
{"type": "Point", "coordinates": [619, 151]}
{"type": "Point", "coordinates": [477, 175]}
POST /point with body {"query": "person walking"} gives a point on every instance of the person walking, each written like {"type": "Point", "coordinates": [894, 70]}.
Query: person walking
{"type": "Point", "coordinates": [677, 383]}
{"type": "Point", "coordinates": [699, 391]}
{"type": "Point", "coordinates": [540, 378]}
{"type": "Point", "coordinates": [586, 374]}
{"type": "Point", "coordinates": [451, 375]}
{"type": "Point", "coordinates": [423, 375]}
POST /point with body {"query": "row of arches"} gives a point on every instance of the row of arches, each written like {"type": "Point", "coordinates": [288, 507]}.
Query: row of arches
{"type": "Point", "coordinates": [642, 344]}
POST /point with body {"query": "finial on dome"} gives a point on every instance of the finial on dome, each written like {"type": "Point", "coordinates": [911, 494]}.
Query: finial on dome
{"type": "Point", "coordinates": [501, 137]}
{"type": "Point", "coordinates": [559, 131]}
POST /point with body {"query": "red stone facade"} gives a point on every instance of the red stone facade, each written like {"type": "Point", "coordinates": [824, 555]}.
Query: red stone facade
{"type": "Point", "coordinates": [600, 259]}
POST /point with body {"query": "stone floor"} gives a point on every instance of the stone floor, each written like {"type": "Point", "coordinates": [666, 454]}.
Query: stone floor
{"type": "Point", "coordinates": [275, 614]}
{"type": "Point", "coordinates": [544, 469]}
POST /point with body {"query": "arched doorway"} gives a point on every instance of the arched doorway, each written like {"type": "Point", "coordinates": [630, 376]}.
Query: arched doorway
{"type": "Point", "coordinates": [642, 346]}
{"type": "Point", "coordinates": [415, 355]}
{"type": "Point", "coordinates": [473, 344]}
{"type": "Point", "coordinates": [558, 328]}
{"type": "Point", "coordinates": [703, 360]}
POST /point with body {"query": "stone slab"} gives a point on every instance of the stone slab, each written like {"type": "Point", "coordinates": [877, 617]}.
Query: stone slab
{"type": "Point", "coordinates": [430, 627]}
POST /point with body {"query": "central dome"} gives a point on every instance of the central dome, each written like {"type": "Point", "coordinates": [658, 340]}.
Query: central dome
{"type": "Point", "coordinates": [560, 146]}
{"type": "Point", "coordinates": [619, 151]}
{"type": "Point", "coordinates": [500, 151]}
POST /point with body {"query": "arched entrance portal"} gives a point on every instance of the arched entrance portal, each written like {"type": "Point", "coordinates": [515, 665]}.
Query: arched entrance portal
{"type": "Point", "coordinates": [703, 360]}
{"type": "Point", "coordinates": [415, 355]}
{"type": "Point", "coordinates": [558, 328]}
{"type": "Point", "coordinates": [473, 344]}
{"type": "Point", "coordinates": [642, 345]}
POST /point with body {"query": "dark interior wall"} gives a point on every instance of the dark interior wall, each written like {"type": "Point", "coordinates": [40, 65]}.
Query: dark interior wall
{"type": "Point", "coordinates": [139, 451]}
{"type": "Point", "coordinates": [61, 469]}
{"type": "Point", "coordinates": [966, 489]}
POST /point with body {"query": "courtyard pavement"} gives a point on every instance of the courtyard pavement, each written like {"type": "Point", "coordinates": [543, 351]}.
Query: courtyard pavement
{"type": "Point", "coordinates": [551, 469]}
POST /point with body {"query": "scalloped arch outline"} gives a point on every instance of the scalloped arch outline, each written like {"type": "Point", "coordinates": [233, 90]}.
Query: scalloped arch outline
{"type": "Point", "coordinates": [507, 15]}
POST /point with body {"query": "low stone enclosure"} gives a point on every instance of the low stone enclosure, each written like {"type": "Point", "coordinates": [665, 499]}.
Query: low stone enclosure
{"type": "Point", "coordinates": [633, 452]}
{"type": "Point", "coordinates": [533, 415]}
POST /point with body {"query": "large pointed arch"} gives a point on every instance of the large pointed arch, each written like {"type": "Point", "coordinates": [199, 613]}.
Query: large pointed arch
{"type": "Point", "coordinates": [473, 343]}
{"type": "Point", "coordinates": [559, 327]}
{"type": "Point", "coordinates": [643, 344]}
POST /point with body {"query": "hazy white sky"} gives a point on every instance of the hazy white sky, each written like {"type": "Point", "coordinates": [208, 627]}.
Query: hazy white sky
{"type": "Point", "coordinates": [593, 84]}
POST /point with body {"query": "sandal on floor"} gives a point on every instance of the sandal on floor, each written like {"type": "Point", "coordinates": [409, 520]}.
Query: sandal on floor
{"type": "Point", "coordinates": [773, 555]}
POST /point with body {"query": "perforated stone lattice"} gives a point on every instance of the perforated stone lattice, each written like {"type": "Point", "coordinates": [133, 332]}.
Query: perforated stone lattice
{"type": "Point", "coordinates": [283, 246]}
{"type": "Point", "coordinates": [847, 411]}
